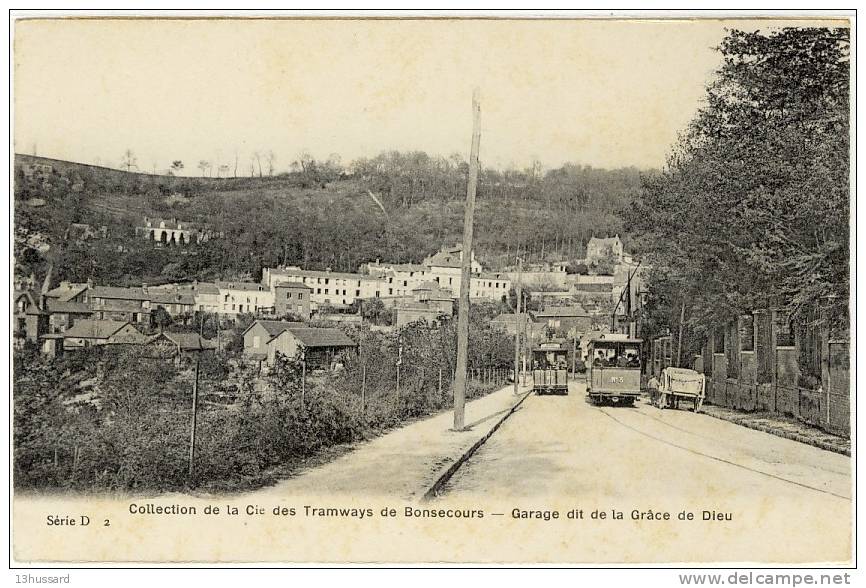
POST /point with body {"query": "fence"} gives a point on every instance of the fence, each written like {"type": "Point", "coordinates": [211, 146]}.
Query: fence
{"type": "Point", "coordinates": [761, 363]}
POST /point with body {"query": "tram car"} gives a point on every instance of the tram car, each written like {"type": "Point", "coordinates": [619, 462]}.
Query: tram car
{"type": "Point", "coordinates": [550, 369]}
{"type": "Point", "coordinates": [614, 374]}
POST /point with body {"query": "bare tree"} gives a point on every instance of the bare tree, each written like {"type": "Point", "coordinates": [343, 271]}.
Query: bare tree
{"type": "Point", "coordinates": [271, 158]}
{"type": "Point", "coordinates": [129, 160]}
{"type": "Point", "coordinates": [203, 165]}
{"type": "Point", "coordinates": [223, 168]}
{"type": "Point", "coordinates": [305, 160]}
{"type": "Point", "coordinates": [176, 167]}
{"type": "Point", "coordinates": [258, 158]}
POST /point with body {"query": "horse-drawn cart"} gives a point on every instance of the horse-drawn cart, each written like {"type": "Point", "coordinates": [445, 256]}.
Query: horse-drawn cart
{"type": "Point", "coordinates": [680, 384]}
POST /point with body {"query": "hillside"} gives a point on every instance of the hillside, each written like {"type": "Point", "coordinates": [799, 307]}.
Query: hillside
{"type": "Point", "coordinates": [317, 218]}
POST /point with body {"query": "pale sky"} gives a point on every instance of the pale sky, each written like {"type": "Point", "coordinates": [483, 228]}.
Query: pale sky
{"type": "Point", "coordinates": [595, 92]}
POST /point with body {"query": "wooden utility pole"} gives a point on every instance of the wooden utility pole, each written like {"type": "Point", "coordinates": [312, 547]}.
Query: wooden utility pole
{"type": "Point", "coordinates": [517, 324]}
{"type": "Point", "coordinates": [364, 387]}
{"type": "Point", "coordinates": [466, 269]}
{"type": "Point", "coordinates": [194, 415]}
{"type": "Point", "coordinates": [680, 338]}
{"type": "Point", "coordinates": [303, 376]}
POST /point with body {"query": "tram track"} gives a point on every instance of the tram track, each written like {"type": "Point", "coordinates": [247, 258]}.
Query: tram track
{"type": "Point", "coordinates": [716, 458]}
{"type": "Point", "coordinates": [694, 434]}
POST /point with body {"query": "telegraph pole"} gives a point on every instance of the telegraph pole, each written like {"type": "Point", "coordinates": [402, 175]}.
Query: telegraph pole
{"type": "Point", "coordinates": [680, 338]}
{"type": "Point", "coordinates": [466, 268]}
{"type": "Point", "coordinates": [517, 324]}
{"type": "Point", "coordinates": [194, 415]}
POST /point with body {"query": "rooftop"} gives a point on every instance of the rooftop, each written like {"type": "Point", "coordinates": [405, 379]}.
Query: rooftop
{"type": "Point", "coordinates": [94, 329]}
{"type": "Point", "coordinates": [274, 328]}
{"type": "Point", "coordinates": [245, 286]}
{"type": "Point", "coordinates": [322, 337]}
{"type": "Point", "coordinates": [562, 311]}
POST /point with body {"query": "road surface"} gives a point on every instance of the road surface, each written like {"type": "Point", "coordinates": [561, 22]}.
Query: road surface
{"type": "Point", "coordinates": [786, 501]}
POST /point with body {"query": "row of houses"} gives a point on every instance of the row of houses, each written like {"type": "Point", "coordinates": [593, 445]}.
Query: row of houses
{"type": "Point", "coordinates": [566, 322]}
{"type": "Point", "coordinates": [392, 281]}
{"type": "Point", "coordinates": [94, 333]}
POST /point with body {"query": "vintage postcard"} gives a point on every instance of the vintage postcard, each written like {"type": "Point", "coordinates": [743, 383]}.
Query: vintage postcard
{"type": "Point", "coordinates": [553, 289]}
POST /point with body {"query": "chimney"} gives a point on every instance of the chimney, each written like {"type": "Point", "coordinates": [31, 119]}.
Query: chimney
{"type": "Point", "coordinates": [195, 284]}
{"type": "Point", "coordinates": [144, 288]}
{"type": "Point", "coordinates": [90, 282]}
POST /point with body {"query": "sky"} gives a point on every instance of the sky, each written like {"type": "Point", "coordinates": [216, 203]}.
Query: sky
{"type": "Point", "coordinates": [605, 93]}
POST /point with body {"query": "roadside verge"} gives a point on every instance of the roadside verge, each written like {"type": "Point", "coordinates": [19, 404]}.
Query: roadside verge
{"type": "Point", "coordinates": [447, 472]}
{"type": "Point", "coordinates": [781, 427]}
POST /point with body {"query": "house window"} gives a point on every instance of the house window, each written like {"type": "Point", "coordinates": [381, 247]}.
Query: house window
{"type": "Point", "coordinates": [326, 290]}
{"type": "Point", "coordinates": [233, 307]}
{"type": "Point", "coordinates": [288, 295]}
{"type": "Point", "coordinates": [326, 280]}
{"type": "Point", "coordinates": [357, 293]}
{"type": "Point", "coordinates": [318, 290]}
{"type": "Point", "coordinates": [404, 283]}
{"type": "Point", "coordinates": [390, 291]}
{"type": "Point", "coordinates": [784, 330]}
{"type": "Point", "coordinates": [300, 308]}
{"type": "Point", "coordinates": [300, 295]}
{"type": "Point", "coordinates": [377, 293]}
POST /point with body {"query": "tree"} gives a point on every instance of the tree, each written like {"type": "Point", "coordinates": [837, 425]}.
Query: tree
{"type": "Point", "coordinates": [203, 165]}
{"type": "Point", "coordinates": [160, 318]}
{"type": "Point", "coordinates": [271, 158]}
{"type": "Point", "coordinates": [129, 160]}
{"type": "Point", "coordinates": [752, 208]}
{"type": "Point", "coordinates": [176, 167]}
{"type": "Point", "coordinates": [375, 312]}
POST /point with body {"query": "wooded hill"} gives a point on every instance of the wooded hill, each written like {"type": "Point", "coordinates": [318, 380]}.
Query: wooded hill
{"type": "Point", "coordinates": [319, 217]}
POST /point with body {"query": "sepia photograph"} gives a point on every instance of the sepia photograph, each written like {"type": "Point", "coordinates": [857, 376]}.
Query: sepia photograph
{"type": "Point", "coordinates": [525, 289]}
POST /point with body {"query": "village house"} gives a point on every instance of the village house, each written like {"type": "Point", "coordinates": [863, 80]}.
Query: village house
{"type": "Point", "coordinates": [598, 249]}
{"type": "Point", "coordinates": [292, 298]}
{"type": "Point", "coordinates": [444, 267]}
{"type": "Point", "coordinates": [329, 288]}
{"type": "Point", "coordinates": [137, 304]}
{"type": "Point", "coordinates": [319, 346]}
{"type": "Point", "coordinates": [402, 277]}
{"type": "Point", "coordinates": [183, 345]}
{"type": "Point", "coordinates": [30, 320]}
{"type": "Point", "coordinates": [63, 315]}
{"type": "Point", "coordinates": [524, 322]}
{"type": "Point", "coordinates": [70, 292]}
{"type": "Point", "coordinates": [206, 295]}
{"type": "Point", "coordinates": [121, 304]}
{"type": "Point", "coordinates": [174, 232]}
{"type": "Point", "coordinates": [260, 333]}
{"type": "Point", "coordinates": [428, 303]}
{"type": "Point", "coordinates": [490, 286]}
{"type": "Point", "coordinates": [565, 320]}
{"type": "Point", "coordinates": [245, 297]}
{"type": "Point", "coordinates": [89, 333]}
